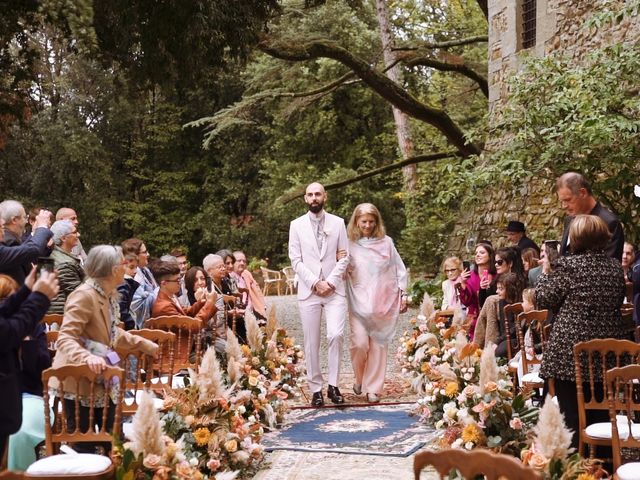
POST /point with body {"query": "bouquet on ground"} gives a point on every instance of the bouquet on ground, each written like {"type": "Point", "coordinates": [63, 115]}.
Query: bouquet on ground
{"type": "Point", "coordinates": [549, 449]}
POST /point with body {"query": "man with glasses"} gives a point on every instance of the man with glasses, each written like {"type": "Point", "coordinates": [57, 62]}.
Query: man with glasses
{"type": "Point", "coordinates": [17, 255]}
{"type": "Point", "coordinates": [66, 213]}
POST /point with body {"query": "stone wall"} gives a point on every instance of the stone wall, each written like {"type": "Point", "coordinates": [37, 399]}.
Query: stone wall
{"type": "Point", "coordinates": [559, 26]}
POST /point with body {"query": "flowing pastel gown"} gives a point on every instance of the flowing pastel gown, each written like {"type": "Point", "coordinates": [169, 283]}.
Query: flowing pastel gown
{"type": "Point", "coordinates": [375, 283]}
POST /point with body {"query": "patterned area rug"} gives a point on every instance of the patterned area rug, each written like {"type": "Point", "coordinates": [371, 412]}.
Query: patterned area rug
{"type": "Point", "coordinates": [376, 430]}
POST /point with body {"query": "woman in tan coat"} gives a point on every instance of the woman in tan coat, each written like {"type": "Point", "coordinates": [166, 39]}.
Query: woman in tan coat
{"type": "Point", "coordinates": [89, 333]}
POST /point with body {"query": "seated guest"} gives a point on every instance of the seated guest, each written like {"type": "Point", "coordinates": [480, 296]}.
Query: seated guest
{"type": "Point", "coordinates": [70, 273]}
{"type": "Point", "coordinates": [88, 334]}
{"type": "Point", "coordinates": [451, 268]}
{"type": "Point", "coordinates": [233, 297]}
{"type": "Point", "coordinates": [529, 260]}
{"type": "Point", "coordinates": [253, 298]}
{"type": "Point", "coordinates": [585, 291]}
{"type": "Point", "coordinates": [183, 263]}
{"type": "Point", "coordinates": [195, 283]}
{"type": "Point", "coordinates": [145, 295]}
{"type": "Point", "coordinates": [16, 255]}
{"type": "Point", "coordinates": [20, 314]}
{"type": "Point", "coordinates": [216, 270]}
{"type": "Point", "coordinates": [167, 276]}
{"type": "Point", "coordinates": [549, 253]}
{"type": "Point", "coordinates": [628, 259]}
{"type": "Point", "coordinates": [127, 289]}
{"type": "Point", "coordinates": [34, 358]}
{"type": "Point", "coordinates": [491, 321]}
{"type": "Point", "coordinates": [509, 260]}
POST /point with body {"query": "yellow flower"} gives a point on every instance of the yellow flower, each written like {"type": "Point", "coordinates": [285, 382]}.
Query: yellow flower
{"type": "Point", "coordinates": [425, 368]}
{"type": "Point", "coordinates": [471, 433]}
{"type": "Point", "coordinates": [270, 365]}
{"type": "Point", "coordinates": [451, 389]}
{"type": "Point", "coordinates": [585, 476]}
{"type": "Point", "coordinates": [202, 436]}
{"type": "Point", "coordinates": [288, 342]}
{"type": "Point", "coordinates": [253, 381]}
{"type": "Point", "coordinates": [231, 446]}
{"type": "Point", "coordinates": [246, 350]}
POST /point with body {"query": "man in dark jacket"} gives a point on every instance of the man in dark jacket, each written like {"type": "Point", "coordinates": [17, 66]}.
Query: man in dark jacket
{"type": "Point", "coordinates": [576, 197]}
{"type": "Point", "coordinates": [516, 233]}
{"type": "Point", "coordinates": [19, 316]}
{"type": "Point", "coordinates": [16, 255]}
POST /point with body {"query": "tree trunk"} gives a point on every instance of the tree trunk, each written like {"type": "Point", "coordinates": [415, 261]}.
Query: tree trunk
{"type": "Point", "coordinates": [403, 129]}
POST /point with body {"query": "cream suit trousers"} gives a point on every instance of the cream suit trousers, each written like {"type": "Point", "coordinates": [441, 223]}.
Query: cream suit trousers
{"type": "Point", "coordinates": [335, 309]}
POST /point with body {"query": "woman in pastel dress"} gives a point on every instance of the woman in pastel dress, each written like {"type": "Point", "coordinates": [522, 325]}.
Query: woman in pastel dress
{"type": "Point", "coordinates": [376, 283]}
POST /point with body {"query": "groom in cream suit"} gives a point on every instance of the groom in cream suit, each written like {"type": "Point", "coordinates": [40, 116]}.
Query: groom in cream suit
{"type": "Point", "coordinates": [314, 240]}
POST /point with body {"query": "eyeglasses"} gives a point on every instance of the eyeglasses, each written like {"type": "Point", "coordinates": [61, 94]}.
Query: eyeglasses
{"type": "Point", "coordinates": [172, 281]}
{"type": "Point", "coordinates": [499, 262]}
{"type": "Point", "coordinates": [450, 270]}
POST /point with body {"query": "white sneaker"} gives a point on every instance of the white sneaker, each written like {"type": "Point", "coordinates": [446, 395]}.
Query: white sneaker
{"type": "Point", "coordinates": [372, 398]}
{"type": "Point", "coordinates": [357, 389]}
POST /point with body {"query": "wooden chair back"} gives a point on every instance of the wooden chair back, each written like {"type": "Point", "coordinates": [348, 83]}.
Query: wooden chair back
{"type": "Point", "coordinates": [73, 377]}
{"type": "Point", "coordinates": [51, 319]}
{"type": "Point", "coordinates": [471, 463]}
{"type": "Point", "coordinates": [143, 372]}
{"type": "Point", "coordinates": [599, 355]}
{"type": "Point", "coordinates": [271, 278]}
{"type": "Point", "coordinates": [187, 346]}
{"type": "Point", "coordinates": [623, 395]}
{"type": "Point", "coordinates": [290, 279]}
{"type": "Point", "coordinates": [511, 311]}
{"type": "Point", "coordinates": [52, 338]}
{"type": "Point", "coordinates": [534, 321]}
{"type": "Point", "coordinates": [9, 475]}
{"type": "Point", "coordinates": [444, 316]}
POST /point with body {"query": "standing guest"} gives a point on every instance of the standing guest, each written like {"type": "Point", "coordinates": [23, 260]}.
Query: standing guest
{"type": "Point", "coordinates": [32, 216]}
{"type": "Point", "coordinates": [628, 259]}
{"type": "Point", "coordinates": [314, 241]}
{"type": "Point", "coordinates": [576, 197]}
{"type": "Point", "coordinates": [183, 263]}
{"type": "Point", "coordinates": [89, 332]}
{"type": "Point", "coordinates": [20, 314]}
{"type": "Point", "coordinates": [451, 268]}
{"type": "Point", "coordinates": [585, 293]}
{"type": "Point", "coordinates": [70, 273]}
{"type": "Point", "coordinates": [516, 233]}
{"type": "Point", "coordinates": [476, 284]}
{"type": "Point", "coordinates": [70, 214]}
{"type": "Point", "coordinates": [549, 253]}
{"type": "Point", "coordinates": [509, 260]}
{"type": "Point", "coordinates": [195, 283]}
{"type": "Point", "coordinates": [145, 295]}
{"type": "Point", "coordinates": [376, 284]}
{"type": "Point", "coordinates": [127, 289]}
{"type": "Point", "coordinates": [16, 255]}
{"type": "Point", "coordinates": [254, 299]}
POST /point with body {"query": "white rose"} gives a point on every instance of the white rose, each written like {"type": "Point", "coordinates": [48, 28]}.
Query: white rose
{"type": "Point", "coordinates": [468, 445]}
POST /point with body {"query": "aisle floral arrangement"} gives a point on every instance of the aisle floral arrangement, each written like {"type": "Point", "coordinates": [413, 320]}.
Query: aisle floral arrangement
{"type": "Point", "coordinates": [549, 450]}
{"type": "Point", "coordinates": [464, 392]}
{"type": "Point", "coordinates": [212, 428]}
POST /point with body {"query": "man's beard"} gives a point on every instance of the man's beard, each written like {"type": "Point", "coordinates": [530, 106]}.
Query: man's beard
{"type": "Point", "coordinates": [316, 207]}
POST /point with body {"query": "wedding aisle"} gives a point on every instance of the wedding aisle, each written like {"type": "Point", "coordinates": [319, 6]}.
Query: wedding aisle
{"type": "Point", "coordinates": [328, 465]}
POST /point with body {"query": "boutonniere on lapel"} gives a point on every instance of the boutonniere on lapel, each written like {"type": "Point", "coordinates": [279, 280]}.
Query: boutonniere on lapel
{"type": "Point", "coordinates": [326, 232]}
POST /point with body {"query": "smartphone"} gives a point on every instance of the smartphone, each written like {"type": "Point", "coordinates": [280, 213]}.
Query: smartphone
{"type": "Point", "coordinates": [466, 265]}
{"type": "Point", "coordinates": [46, 264]}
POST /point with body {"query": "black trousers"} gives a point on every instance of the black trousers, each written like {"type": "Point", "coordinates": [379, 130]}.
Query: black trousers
{"type": "Point", "coordinates": [70, 413]}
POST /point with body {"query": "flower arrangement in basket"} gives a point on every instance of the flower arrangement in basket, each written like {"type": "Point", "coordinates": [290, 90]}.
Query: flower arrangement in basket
{"type": "Point", "coordinates": [464, 391]}
{"type": "Point", "coordinates": [268, 368]}
{"type": "Point", "coordinates": [549, 449]}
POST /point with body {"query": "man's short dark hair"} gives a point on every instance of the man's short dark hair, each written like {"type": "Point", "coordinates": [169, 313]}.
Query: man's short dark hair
{"type": "Point", "coordinates": [574, 181]}
{"type": "Point", "coordinates": [131, 245]}
{"type": "Point", "coordinates": [178, 252]}
{"type": "Point", "coordinates": [162, 270]}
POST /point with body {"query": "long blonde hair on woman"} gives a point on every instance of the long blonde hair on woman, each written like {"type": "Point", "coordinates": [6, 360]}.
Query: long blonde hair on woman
{"type": "Point", "coordinates": [353, 232]}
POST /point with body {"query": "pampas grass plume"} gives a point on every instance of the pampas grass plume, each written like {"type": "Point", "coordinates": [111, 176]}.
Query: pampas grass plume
{"type": "Point", "coordinates": [146, 435]}
{"type": "Point", "coordinates": [427, 308]}
{"type": "Point", "coordinates": [488, 366]}
{"type": "Point", "coordinates": [457, 319]}
{"type": "Point", "coordinates": [233, 347]}
{"type": "Point", "coordinates": [228, 475]}
{"type": "Point", "coordinates": [272, 322]}
{"type": "Point", "coordinates": [254, 334]}
{"type": "Point", "coordinates": [209, 377]}
{"type": "Point", "coordinates": [553, 438]}
{"type": "Point", "coordinates": [233, 370]}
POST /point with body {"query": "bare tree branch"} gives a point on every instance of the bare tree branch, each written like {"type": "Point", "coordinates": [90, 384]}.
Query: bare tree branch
{"type": "Point", "coordinates": [377, 81]}
{"type": "Point", "coordinates": [432, 157]}
{"type": "Point", "coordinates": [446, 44]}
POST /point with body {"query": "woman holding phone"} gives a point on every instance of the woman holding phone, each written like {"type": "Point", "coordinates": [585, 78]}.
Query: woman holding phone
{"type": "Point", "coordinates": [476, 283]}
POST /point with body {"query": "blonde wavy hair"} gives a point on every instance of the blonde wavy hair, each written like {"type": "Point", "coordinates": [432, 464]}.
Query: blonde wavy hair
{"type": "Point", "coordinates": [353, 232]}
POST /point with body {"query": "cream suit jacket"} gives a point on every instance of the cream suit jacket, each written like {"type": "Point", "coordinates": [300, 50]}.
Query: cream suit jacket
{"type": "Point", "coordinates": [308, 261]}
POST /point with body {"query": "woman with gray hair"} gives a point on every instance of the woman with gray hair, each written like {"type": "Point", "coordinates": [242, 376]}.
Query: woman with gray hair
{"type": "Point", "coordinates": [89, 333]}
{"type": "Point", "coordinates": [70, 273]}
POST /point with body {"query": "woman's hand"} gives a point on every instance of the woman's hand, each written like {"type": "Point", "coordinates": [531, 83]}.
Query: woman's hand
{"type": "Point", "coordinates": [96, 364]}
{"type": "Point", "coordinates": [462, 279]}
{"type": "Point", "coordinates": [340, 254]}
{"type": "Point", "coordinates": [211, 296]}
{"type": "Point", "coordinates": [485, 282]}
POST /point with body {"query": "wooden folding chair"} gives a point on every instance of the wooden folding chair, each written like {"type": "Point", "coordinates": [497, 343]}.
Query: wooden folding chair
{"type": "Point", "coordinates": [599, 355]}
{"type": "Point", "coordinates": [444, 316]}
{"type": "Point", "coordinates": [271, 277]}
{"type": "Point", "coordinates": [93, 467]}
{"type": "Point", "coordinates": [187, 348]}
{"type": "Point", "coordinates": [290, 280]}
{"type": "Point", "coordinates": [53, 322]}
{"type": "Point", "coordinates": [143, 372]}
{"type": "Point", "coordinates": [535, 322]}
{"type": "Point", "coordinates": [623, 395]}
{"type": "Point", "coordinates": [513, 310]}
{"type": "Point", "coordinates": [471, 463]}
